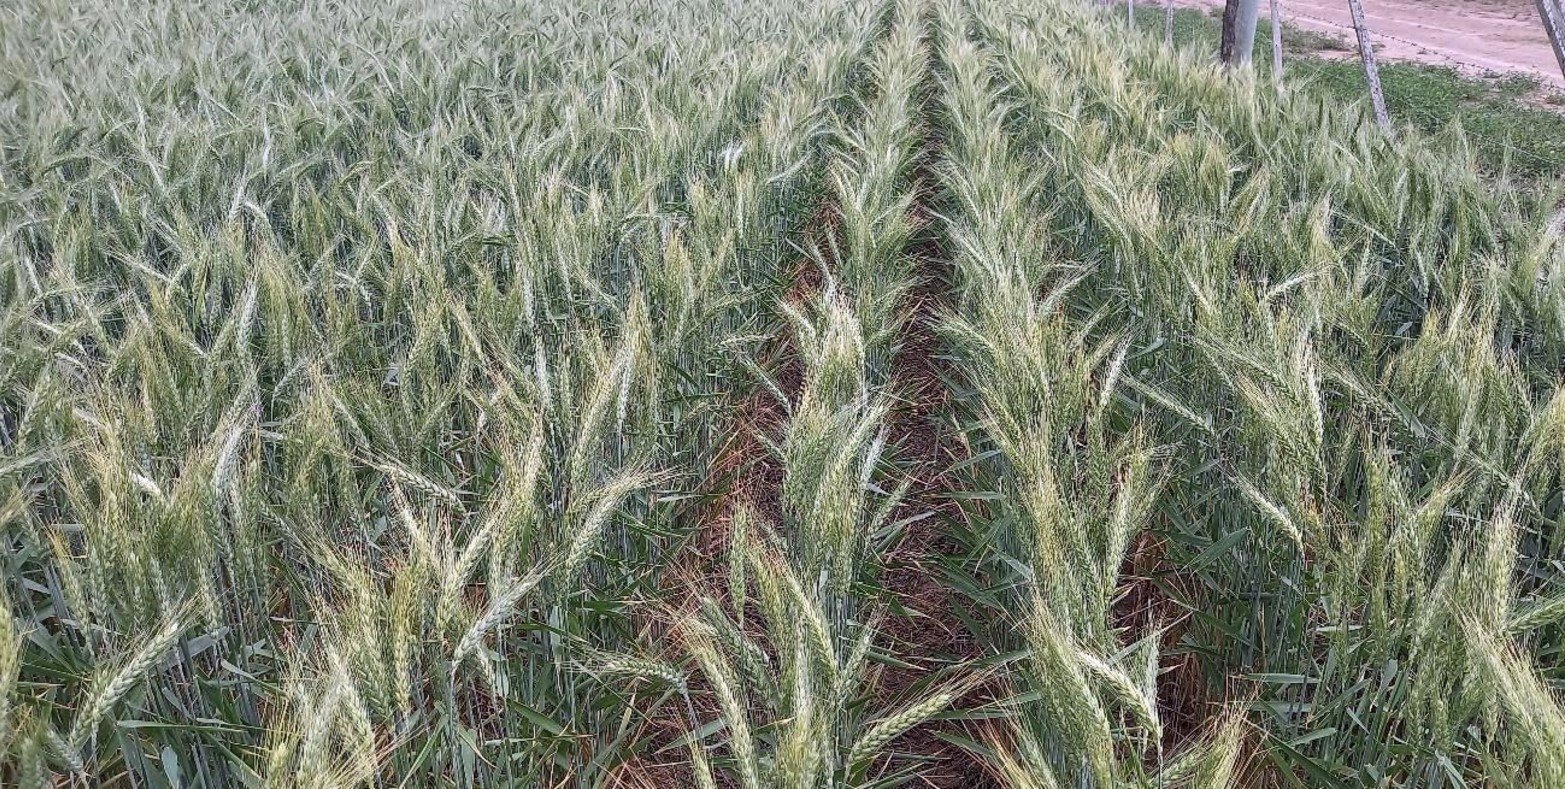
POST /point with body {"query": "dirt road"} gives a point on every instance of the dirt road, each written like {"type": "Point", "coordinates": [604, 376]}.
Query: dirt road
{"type": "Point", "coordinates": [1473, 36]}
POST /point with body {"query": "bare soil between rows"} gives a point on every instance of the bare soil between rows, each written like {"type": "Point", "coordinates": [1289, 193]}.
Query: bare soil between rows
{"type": "Point", "coordinates": [930, 635]}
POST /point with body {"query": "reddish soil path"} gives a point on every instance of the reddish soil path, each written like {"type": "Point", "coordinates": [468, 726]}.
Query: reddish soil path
{"type": "Point", "coordinates": [1472, 36]}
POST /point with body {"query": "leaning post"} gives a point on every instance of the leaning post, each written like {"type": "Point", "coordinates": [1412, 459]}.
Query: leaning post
{"type": "Point", "coordinates": [1377, 96]}
{"type": "Point", "coordinates": [1554, 24]}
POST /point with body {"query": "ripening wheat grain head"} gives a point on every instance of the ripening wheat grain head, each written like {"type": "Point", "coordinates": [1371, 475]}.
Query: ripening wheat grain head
{"type": "Point", "coordinates": [701, 644]}
{"type": "Point", "coordinates": [1466, 391]}
{"type": "Point", "coordinates": [1536, 750]}
{"type": "Point", "coordinates": [832, 445]}
{"type": "Point", "coordinates": [1071, 715]}
{"type": "Point", "coordinates": [11, 636]}
{"type": "Point", "coordinates": [323, 733]}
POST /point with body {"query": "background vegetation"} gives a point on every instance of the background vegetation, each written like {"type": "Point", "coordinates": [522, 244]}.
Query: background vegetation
{"type": "Point", "coordinates": [1515, 122]}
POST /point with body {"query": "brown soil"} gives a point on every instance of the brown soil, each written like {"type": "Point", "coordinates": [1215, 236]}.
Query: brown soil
{"type": "Point", "coordinates": [1144, 604]}
{"type": "Point", "coordinates": [1476, 37]}
{"type": "Point", "coordinates": [931, 636]}
{"type": "Point", "coordinates": [745, 473]}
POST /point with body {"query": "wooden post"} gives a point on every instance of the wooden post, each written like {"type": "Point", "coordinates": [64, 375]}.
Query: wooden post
{"type": "Point", "coordinates": [1130, 12]}
{"type": "Point", "coordinates": [1554, 24]}
{"type": "Point", "coordinates": [1168, 22]}
{"type": "Point", "coordinates": [1225, 44]}
{"type": "Point", "coordinates": [1244, 36]}
{"type": "Point", "coordinates": [1238, 41]}
{"type": "Point", "coordinates": [1277, 44]}
{"type": "Point", "coordinates": [1377, 97]}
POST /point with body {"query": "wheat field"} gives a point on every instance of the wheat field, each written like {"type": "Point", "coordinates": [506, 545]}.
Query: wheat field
{"type": "Point", "coordinates": [720, 393]}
